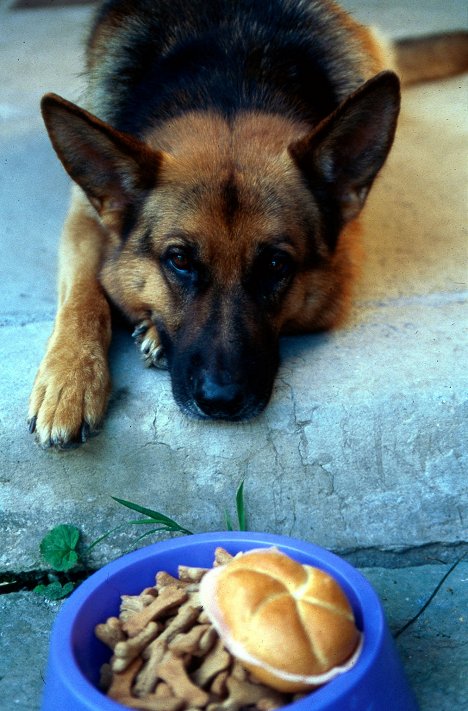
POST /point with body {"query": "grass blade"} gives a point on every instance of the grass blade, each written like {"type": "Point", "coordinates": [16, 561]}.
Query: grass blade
{"type": "Point", "coordinates": [155, 516]}
{"type": "Point", "coordinates": [241, 517]}
{"type": "Point", "coordinates": [86, 549]}
{"type": "Point", "coordinates": [144, 535]}
{"type": "Point", "coordinates": [146, 521]}
{"type": "Point", "coordinates": [229, 526]}
{"type": "Point", "coordinates": [147, 533]}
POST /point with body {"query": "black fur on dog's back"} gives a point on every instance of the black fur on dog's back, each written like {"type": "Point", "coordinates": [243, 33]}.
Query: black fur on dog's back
{"type": "Point", "coordinates": [152, 60]}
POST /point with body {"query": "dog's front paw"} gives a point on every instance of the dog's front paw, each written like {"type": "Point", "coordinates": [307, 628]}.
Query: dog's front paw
{"type": "Point", "coordinates": [147, 340]}
{"type": "Point", "coordinates": [70, 394]}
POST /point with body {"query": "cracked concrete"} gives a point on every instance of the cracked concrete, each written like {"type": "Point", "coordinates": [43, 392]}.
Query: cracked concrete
{"type": "Point", "coordinates": [363, 447]}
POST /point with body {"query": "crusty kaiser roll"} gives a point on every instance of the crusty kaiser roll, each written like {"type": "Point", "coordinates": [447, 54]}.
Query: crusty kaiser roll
{"type": "Point", "coordinates": [290, 625]}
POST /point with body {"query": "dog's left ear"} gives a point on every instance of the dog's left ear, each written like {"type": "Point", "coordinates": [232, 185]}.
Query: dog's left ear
{"type": "Point", "coordinates": [113, 168]}
{"type": "Point", "coordinates": [347, 149]}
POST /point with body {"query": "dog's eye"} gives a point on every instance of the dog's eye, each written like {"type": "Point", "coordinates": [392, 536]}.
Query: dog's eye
{"type": "Point", "coordinates": [279, 265]}
{"type": "Point", "coordinates": [272, 272]}
{"type": "Point", "coordinates": [180, 261]}
{"type": "Point", "coordinates": [276, 266]}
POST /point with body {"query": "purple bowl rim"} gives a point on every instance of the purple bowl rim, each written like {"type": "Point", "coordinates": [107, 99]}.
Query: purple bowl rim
{"type": "Point", "coordinates": [92, 699]}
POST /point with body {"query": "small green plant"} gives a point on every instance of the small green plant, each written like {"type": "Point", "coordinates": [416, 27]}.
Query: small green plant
{"type": "Point", "coordinates": [240, 508]}
{"type": "Point", "coordinates": [54, 590]}
{"type": "Point", "coordinates": [61, 548]}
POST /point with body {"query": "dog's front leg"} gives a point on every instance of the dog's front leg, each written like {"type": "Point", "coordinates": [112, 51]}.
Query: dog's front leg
{"type": "Point", "coordinates": [72, 386]}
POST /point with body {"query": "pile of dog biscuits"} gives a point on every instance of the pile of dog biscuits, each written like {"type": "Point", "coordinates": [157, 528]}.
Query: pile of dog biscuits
{"type": "Point", "coordinates": [168, 657]}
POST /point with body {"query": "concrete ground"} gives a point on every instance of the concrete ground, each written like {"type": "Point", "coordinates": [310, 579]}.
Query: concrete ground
{"type": "Point", "coordinates": [363, 447]}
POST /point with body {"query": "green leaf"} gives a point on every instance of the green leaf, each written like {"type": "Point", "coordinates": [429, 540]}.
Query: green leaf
{"type": "Point", "coordinates": [229, 526]}
{"type": "Point", "coordinates": [58, 547]}
{"type": "Point", "coordinates": [54, 591]}
{"type": "Point", "coordinates": [241, 517]}
{"type": "Point", "coordinates": [155, 516]}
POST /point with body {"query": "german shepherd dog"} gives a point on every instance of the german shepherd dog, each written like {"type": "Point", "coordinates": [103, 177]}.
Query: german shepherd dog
{"type": "Point", "coordinates": [226, 151]}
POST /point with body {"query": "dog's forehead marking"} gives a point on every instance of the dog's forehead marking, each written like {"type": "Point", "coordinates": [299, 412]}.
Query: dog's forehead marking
{"type": "Point", "coordinates": [237, 158]}
{"type": "Point", "coordinates": [231, 185]}
{"type": "Point", "coordinates": [230, 198]}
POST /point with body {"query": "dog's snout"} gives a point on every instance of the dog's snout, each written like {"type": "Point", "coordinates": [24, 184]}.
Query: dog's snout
{"type": "Point", "coordinates": [222, 377]}
{"type": "Point", "coordinates": [218, 399]}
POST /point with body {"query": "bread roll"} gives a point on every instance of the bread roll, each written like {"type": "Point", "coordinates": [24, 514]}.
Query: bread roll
{"type": "Point", "coordinates": [291, 625]}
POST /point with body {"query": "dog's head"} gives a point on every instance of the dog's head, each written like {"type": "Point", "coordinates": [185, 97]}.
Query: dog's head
{"type": "Point", "coordinates": [227, 233]}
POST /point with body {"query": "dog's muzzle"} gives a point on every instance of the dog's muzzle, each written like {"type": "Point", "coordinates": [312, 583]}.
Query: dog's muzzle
{"type": "Point", "coordinates": [219, 382]}
{"type": "Point", "coordinates": [221, 394]}
{"type": "Point", "coordinates": [217, 399]}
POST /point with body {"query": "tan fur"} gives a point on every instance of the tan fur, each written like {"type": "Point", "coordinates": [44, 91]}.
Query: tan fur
{"type": "Point", "coordinates": [259, 144]}
{"type": "Point", "coordinates": [73, 384]}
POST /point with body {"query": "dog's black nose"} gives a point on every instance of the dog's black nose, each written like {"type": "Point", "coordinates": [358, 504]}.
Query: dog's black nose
{"type": "Point", "coordinates": [217, 399]}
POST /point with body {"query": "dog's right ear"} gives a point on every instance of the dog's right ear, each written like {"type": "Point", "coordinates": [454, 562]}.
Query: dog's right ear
{"type": "Point", "coordinates": [344, 153]}
{"type": "Point", "coordinates": [110, 166]}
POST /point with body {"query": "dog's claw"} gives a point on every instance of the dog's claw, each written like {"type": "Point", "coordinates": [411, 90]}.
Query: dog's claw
{"type": "Point", "coordinates": [85, 432]}
{"type": "Point", "coordinates": [159, 358]}
{"type": "Point", "coordinates": [71, 386]}
{"type": "Point", "coordinates": [153, 354]}
{"type": "Point", "coordinates": [64, 445]}
{"type": "Point", "coordinates": [62, 442]}
{"type": "Point", "coordinates": [146, 336]}
{"type": "Point", "coordinates": [141, 329]}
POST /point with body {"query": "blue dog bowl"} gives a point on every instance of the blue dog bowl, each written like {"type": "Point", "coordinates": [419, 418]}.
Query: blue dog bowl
{"type": "Point", "coordinates": [376, 683]}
